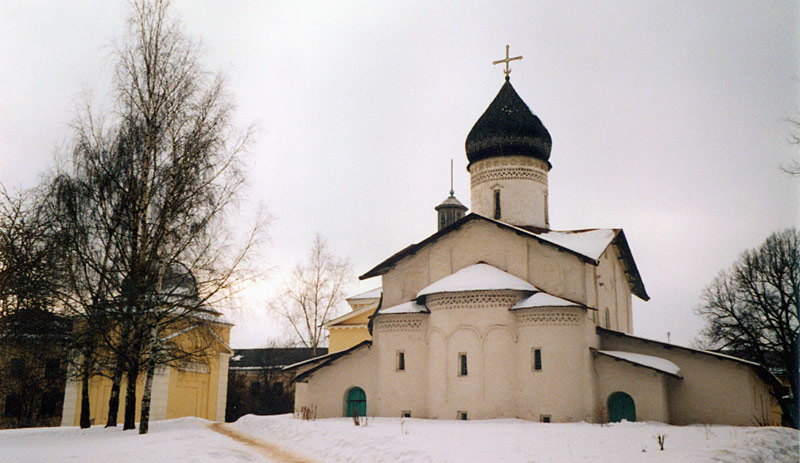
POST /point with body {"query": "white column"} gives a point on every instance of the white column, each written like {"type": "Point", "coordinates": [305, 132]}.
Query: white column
{"type": "Point", "coordinates": [160, 394]}
{"type": "Point", "coordinates": [70, 407]}
{"type": "Point", "coordinates": [222, 386]}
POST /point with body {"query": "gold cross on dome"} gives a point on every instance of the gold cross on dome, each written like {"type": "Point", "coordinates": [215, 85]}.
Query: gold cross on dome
{"type": "Point", "coordinates": [507, 60]}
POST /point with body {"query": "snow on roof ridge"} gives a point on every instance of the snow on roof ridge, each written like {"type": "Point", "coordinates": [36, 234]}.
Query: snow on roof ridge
{"type": "Point", "coordinates": [544, 299]}
{"type": "Point", "coordinates": [405, 307]}
{"type": "Point", "coordinates": [371, 294]}
{"type": "Point", "coordinates": [477, 277]}
{"type": "Point", "coordinates": [591, 246]}
{"type": "Point", "coordinates": [650, 361]}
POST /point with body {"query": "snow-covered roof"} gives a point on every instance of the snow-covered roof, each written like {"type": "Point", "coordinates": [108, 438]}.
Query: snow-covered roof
{"type": "Point", "coordinates": [371, 294]}
{"type": "Point", "coordinates": [655, 363]}
{"type": "Point", "coordinates": [543, 299]}
{"type": "Point", "coordinates": [477, 277]}
{"type": "Point", "coordinates": [759, 369]}
{"type": "Point", "coordinates": [319, 362]}
{"type": "Point", "coordinates": [590, 243]}
{"type": "Point", "coordinates": [406, 307]}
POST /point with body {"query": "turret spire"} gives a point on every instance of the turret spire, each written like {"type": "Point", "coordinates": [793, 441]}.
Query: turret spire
{"type": "Point", "coordinates": [451, 178]}
{"type": "Point", "coordinates": [450, 210]}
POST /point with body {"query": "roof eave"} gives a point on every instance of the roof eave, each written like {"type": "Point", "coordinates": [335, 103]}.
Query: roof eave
{"type": "Point", "coordinates": [635, 278]}
{"type": "Point", "coordinates": [760, 370]}
{"type": "Point", "coordinates": [348, 316]}
{"type": "Point", "coordinates": [619, 359]}
{"type": "Point", "coordinates": [325, 360]}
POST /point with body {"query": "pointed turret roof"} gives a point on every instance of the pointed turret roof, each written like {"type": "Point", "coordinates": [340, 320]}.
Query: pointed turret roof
{"type": "Point", "coordinates": [508, 127]}
{"type": "Point", "coordinates": [451, 202]}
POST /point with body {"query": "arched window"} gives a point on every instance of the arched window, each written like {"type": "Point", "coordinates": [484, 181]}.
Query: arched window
{"type": "Point", "coordinates": [356, 402]}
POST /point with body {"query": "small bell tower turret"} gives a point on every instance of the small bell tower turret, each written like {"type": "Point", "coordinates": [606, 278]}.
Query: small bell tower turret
{"type": "Point", "coordinates": [450, 210]}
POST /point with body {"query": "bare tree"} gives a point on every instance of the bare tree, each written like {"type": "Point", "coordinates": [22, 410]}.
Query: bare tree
{"type": "Point", "coordinates": [146, 204]}
{"type": "Point", "coordinates": [793, 167]}
{"type": "Point", "coordinates": [32, 335]}
{"type": "Point", "coordinates": [752, 310]}
{"type": "Point", "coordinates": [313, 293]}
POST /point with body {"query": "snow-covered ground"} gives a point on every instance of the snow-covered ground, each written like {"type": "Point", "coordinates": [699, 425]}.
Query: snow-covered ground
{"type": "Point", "coordinates": [414, 440]}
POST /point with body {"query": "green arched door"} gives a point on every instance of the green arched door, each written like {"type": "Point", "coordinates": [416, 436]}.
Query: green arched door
{"type": "Point", "coordinates": [621, 407]}
{"type": "Point", "coordinates": [356, 402]}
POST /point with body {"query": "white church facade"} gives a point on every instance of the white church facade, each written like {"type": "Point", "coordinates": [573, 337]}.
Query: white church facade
{"type": "Point", "coordinates": [497, 316]}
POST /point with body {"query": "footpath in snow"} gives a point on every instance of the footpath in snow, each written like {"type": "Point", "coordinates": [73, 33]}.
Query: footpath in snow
{"type": "Point", "coordinates": [282, 439]}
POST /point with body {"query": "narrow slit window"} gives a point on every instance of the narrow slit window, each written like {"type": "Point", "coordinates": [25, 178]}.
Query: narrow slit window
{"type": "Point", "coordinates": [401, 361]}
{"type": "Point", "coordinates": [546, 211]}
{"type": "Point", "coordinates": [537, 359]}
{"type": "Point", "coordinates": [462, 364]}
{"type": "Point", "coordinates": [497, 204]}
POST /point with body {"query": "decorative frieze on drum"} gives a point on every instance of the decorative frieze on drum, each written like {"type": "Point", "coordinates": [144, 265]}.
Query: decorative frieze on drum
{"type": "Point", "coordinates": [530, 318]}
{"type": "Point", "coordinates": [487, 300]}
{"type": "Point", "coordinates": [512, 168]}
{"type": "Point", "coordinates": [506, 173]}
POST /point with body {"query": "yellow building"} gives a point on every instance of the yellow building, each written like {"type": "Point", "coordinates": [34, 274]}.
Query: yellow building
{"type": "Point", "coordinates": [192, 389]}
{"type": "Point", "coordinates": [352, 328]}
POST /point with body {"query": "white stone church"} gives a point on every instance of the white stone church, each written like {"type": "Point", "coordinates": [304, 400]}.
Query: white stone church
{"type": "Point", "coordinates": [497, 316]}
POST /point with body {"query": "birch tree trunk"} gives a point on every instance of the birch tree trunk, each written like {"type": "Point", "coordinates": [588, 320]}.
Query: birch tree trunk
{"type": "Point", "coordinates": [144, 420]}
{"type": "Point", "coordinates": [130, 400]}
{"type": "Point", "coordinates": [86, 420]}
{"type": "Point", "coordinates": [113, 401]}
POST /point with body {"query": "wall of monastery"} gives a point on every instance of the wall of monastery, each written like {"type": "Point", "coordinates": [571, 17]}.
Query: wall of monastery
{"type": "Point", "coordinates": [346, 336]}
{"type": "Point", "coordinates": [647, 388]}
{"type": "Point", "coordinates": [563, 389]}
{"type": "Point", "coordinates": [713, 390]}
{"type": "Point", "coordinates": [522, 183]}
{"type": "Point", "coordinates": [612, 292]}
{"type": "Point", "coordinates": [194, 389]}
{"type": "Point", "coordinates": [326, 391]}
{"type": "Point", "coordinates": [500, 380]}
{"type": "Point", "coordinates": [400, 390]}
{"type": "Point", "coordinates": [479, 325]}
{"type": "Point", "coordinates": [191, 390]}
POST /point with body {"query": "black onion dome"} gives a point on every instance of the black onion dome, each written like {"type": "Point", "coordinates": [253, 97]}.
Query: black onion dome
{"type": "Point", "coordinates": [508, 127]}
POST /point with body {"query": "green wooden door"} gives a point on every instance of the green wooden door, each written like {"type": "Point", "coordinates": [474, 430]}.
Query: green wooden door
{"type": "Point", "coordinates": [356, 402]}
{"type": "Point", "coordinates": [621, 407]}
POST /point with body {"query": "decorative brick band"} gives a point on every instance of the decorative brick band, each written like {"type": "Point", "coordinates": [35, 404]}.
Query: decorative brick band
{"type": "Point", "coordinates": [548, 319]}
{"type": "Point", "coordinates": [508, 173]}
{"type": "Point", "coordinates": [414, 324]}
{"type": "Point", "coordinates": [488, 300]}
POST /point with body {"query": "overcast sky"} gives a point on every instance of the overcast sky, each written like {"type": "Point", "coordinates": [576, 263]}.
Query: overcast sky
{"type": "Point", "coordinates": [668, 119]}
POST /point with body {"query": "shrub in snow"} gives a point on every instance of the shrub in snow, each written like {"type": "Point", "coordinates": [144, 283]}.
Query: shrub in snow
{"type": "Point", "coordinates": [661, 438]}
{"type": "Point", "coordinates": [306, 413]}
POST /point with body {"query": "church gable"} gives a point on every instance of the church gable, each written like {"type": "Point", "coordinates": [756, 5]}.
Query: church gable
{"type": "Point", "coordinates": [548, 267]}
{"type": "Point", "coordinates": [542, 257]}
